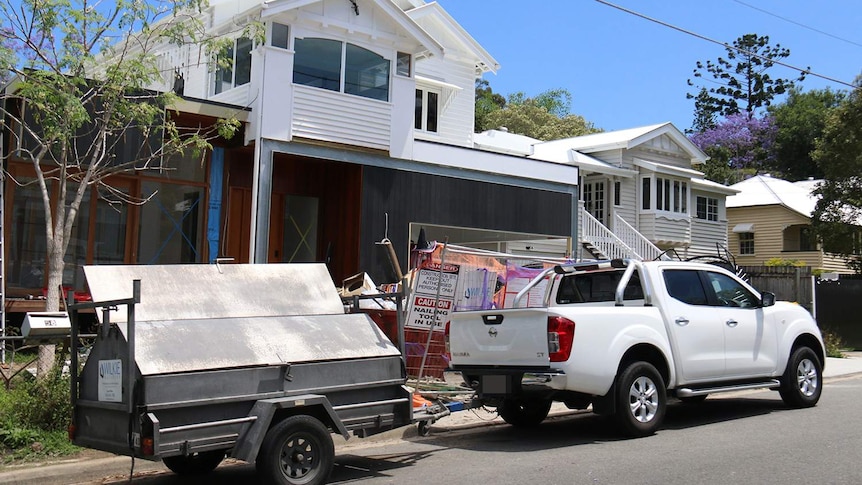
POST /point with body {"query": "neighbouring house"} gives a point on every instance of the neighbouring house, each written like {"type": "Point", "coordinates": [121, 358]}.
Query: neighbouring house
{"type": "Point", "coordinates": [640, 193]}
{"type": "Point", "coordinates": [770, 219]}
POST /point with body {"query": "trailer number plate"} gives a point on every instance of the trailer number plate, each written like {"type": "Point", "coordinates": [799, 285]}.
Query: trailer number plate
{"type": "Point", "coordinates": [495, 384]}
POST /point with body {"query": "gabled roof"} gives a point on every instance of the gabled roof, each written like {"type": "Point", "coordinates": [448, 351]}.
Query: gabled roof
{"type": "Point", "coordinates": [486, 63]}
{"type": "Point", "coordinates": [273, 7]}
{"type": "Point", "coordinates": [762, 190]}
{"type": "Point", "coordinates": [631, 138]}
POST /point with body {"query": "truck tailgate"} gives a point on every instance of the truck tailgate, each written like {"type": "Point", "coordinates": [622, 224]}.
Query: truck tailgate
{"type": "Point", "coordinates": [499, 338]}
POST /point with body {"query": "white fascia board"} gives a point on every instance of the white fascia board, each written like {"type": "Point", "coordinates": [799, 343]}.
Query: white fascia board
{"type": "Point", "coordinates": [275, 7]}
{"type": "Point", "coordinates": [494, 163]}
{"type": "Point", "coordinates": [710, 186]}
{"type": "Point", "coordinates": [668, 169]}
{"type": "Point", "coordinates": [486, 61]}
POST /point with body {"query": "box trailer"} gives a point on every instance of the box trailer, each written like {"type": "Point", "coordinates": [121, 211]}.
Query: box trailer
{"type": "Point", "coordinates": [193, 363]}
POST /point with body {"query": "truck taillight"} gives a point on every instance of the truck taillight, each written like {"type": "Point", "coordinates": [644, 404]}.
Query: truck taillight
{"type": "Point", "coordinates": [446, 338]}
{"type": "Point", "coordinates": [148, 447]}
{"type": "Point", "coordinates": [561, 334]}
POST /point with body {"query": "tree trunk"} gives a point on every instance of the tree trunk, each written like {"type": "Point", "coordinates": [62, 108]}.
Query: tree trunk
{"type": "Point", "coordinates": [52, 304]}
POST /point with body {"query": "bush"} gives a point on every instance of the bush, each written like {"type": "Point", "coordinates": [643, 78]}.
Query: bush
{"type": "Point", "coordinates": [833, 343]}
{"type": "Point", "coordinates": [34, 416]}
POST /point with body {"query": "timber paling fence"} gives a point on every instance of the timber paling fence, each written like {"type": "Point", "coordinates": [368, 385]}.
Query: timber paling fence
{"type": "Point", "coordinates": [789, 283]}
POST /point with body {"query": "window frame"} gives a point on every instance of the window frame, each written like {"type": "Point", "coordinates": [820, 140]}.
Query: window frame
{"type": "Point", "coordinates": [346, 50]}
{"type": "Point", "coordinates": [217, 84]}
{"type": "Point", "coordinates": [422, 114]}
{"type": "Point", "coordinates": [746, 244]}
{"type": "Point", "coordinates": [710, 208]}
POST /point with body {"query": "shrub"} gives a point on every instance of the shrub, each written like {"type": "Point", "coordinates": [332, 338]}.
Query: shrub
{"type": "Point", "coordinates": [833, 343]}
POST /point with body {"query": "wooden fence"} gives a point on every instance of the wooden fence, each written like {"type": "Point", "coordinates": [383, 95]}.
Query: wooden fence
{"type": "Point", "coordinates": [789, 283]}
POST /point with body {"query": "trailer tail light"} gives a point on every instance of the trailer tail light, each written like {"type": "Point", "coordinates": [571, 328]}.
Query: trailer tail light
{"type": "Point", "coordinates": [561, 334]}
{"type": "Point", "coordinates": [446, 338]}
{"type": "Point", "coordinates": [148, 447]}
{"type": "Point", "coordinates": [148, 443]}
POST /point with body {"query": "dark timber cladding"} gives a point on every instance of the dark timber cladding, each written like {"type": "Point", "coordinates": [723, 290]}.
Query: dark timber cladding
{"type": "Point", "coordinates": [433, 199]}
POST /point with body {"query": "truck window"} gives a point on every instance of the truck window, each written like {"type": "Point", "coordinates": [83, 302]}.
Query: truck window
{"type": "Point", "coordinates": [685, 286]}
{"type": "Point", "coordinates": [597, 287]}
{"type": "Point", "coordinates": [729, 292]}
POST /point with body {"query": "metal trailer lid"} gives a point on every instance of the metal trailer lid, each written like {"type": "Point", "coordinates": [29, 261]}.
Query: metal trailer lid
{"type": "Point", "coordinates": [206, 291]}
{"type": "Point", "coordinates": [167, 347]}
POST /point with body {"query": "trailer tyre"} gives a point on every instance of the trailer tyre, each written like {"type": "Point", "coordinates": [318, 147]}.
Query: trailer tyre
{"type": "Point", "coordinates": [296, 451]}
{"type": "Point", "coordinates": [524, 412]}
{"type": "Point", "coordinates": [194, 464]}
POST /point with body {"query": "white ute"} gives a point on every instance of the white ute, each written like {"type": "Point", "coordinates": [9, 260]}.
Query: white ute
{"type": "Point", "coordinates": [624, 335]}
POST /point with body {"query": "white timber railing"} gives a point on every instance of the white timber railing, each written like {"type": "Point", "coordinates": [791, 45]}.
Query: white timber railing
{"type": "Point", "coordinates": [630, 236]}
{"type": "Point", "coordinates": [593, 232]}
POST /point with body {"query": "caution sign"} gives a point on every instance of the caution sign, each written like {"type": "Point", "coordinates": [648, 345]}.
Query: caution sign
{"type": "Point", "coordinates": [421, 312]}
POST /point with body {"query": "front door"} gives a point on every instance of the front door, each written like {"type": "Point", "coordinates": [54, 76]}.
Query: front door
{"type": "Point", "coordinates": [595, 199]}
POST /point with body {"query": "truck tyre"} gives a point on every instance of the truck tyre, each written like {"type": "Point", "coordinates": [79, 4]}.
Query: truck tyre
{"type": "Point", "coordinates": [296, 451]}
{"type": "Point", "coordinates": [641, 399]}
{"type": "Point", "coordinates": [802, 382]}
{"type": "Point", "coordinates": [524, 412]}
{"type": "Point", "coordinates": [194, 464]}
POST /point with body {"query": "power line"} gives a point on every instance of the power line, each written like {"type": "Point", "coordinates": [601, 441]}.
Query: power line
{"type": "Point", "coordinates": [807, 72]}
{"type": "Point", "coordinates": [767, 12]}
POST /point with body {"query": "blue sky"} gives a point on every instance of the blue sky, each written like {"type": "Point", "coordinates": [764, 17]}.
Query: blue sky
{"type": "Point", "coordinates": [624, 71]}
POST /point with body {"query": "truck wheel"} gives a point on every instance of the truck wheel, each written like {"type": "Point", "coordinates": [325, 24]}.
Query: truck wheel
{"type": "Point", "coordinates": [524, 412]}
{"type": "Point", "coordinates": [802, 382]}
{"type": "Point", "coordinates": [194, 464]}
{"type": "Point", "coordinates": [641, 399]}
{"type": "Point", "coordinates": [296, 451]}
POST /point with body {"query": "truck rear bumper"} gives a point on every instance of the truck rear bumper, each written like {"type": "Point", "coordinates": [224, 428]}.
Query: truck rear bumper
{"type": "Point", "coordinates": [494, 382]}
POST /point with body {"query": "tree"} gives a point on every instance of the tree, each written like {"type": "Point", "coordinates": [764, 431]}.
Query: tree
{"type": "Point", "coordinates": [801, 119]}
{"type": "Point", "coordinates": [744, 85]}
{"type": "Point", "coordinates": [737, 145]}
{"type": "Point", "coordinates": [79, 99]}
{"type": "Point", "coordinates": [544, 117]}
{"type": "Point", "coordinates": [487, 101]}
{"type": "Point", "coordinates": [837, 217]}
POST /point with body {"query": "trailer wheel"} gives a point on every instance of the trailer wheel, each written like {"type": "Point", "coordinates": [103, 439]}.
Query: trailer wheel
{"type": "Point", "coordinates": [524, 412]}
{"type": "Point", "coordinates": [296, 451]}
{"type": "Point", "coordinates": [194, 464]}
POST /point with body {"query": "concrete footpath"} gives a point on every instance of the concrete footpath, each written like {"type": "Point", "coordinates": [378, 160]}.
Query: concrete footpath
{"type": "Point", "coordinates": [82, 468]}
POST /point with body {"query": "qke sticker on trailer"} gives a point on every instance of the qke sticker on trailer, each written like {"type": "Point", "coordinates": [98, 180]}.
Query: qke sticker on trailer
{"type": "Point", "coordinates": [111, 380]}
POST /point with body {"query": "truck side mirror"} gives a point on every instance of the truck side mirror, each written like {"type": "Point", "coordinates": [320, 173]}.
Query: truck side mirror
{"type": "Point", "coordinates": [767, 298]}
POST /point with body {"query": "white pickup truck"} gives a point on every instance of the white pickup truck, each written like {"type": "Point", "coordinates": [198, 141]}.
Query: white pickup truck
{"type": "Point", "coordinates": [623, 336]}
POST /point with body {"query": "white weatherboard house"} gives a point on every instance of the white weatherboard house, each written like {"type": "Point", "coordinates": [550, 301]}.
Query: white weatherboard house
{"type": "Point", "coordinates": [640, 193]}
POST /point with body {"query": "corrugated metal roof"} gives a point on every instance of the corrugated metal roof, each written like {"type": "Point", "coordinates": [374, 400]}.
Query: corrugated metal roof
{"type": "Point", "coordinates": [766, 190]}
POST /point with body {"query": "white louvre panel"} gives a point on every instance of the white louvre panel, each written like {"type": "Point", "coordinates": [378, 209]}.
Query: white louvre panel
{"type": "Point", "coordinates": [324, 115]}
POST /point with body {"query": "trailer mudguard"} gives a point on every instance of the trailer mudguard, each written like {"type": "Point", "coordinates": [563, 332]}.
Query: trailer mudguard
{"type": "Point", "coordinates": [248, 444]}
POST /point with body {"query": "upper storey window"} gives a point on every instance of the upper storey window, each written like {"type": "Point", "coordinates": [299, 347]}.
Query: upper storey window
{"type": "Point", "coordinates": [234, 66]}
{"type": "Point", "coordinates": [342, 67]}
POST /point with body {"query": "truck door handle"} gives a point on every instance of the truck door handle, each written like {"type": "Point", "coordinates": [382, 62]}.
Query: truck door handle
{"type": "Point", "coordinates": [732, 323]}
{"type": "Point", "coordinates": [681, 321]}
{"type": "Point", "coordinates": [492, 319]}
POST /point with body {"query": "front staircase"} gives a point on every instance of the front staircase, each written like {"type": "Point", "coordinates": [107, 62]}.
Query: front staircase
{"type": "Point", "coordinates": [623, 242]}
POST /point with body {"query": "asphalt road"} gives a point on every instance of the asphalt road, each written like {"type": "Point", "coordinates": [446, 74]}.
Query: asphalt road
{"type": "Point", "coordinates": [750, 438]}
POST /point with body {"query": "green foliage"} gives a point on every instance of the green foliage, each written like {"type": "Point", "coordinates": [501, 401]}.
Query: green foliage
{"type": "Point", "coordinates": [487, 101]}
{"type": "Point", "coordinates": [801, 119]}
{"type": "Point", "coordinates": [838, 152]}
{"type": "Point", "coordinates": [784, 262]}
{"type": "Point", "coordinates": [34, 415]}
{"type": "Point", "coordinates": [740, 82]}
{"type": "Point", "coordinates": [833, 342]}
{"type": "Point", "coordinates": [544, 117]}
